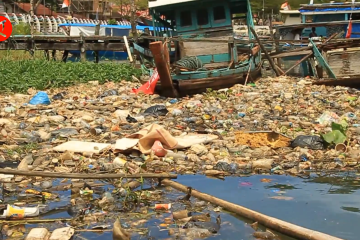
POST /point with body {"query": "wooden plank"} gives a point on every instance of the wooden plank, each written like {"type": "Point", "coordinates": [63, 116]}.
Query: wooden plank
{"type": "Point", "coordinates": [322, 61]}
{"type": "Point", "coordinates": [204, 48]}
{"type": "Point", "coordinates": [290, 54]}
{"type": "Point", "coordinates": [163, 69]}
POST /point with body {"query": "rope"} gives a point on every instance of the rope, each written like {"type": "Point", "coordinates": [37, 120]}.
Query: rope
{"type": "Point", "coordinates": [190, 62]}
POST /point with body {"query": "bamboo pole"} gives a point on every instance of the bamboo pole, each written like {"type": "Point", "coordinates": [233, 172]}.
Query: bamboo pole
{"type": "Point", "coordinates": [128, 49]}
{"type": "Point", "coordinates": [270, 222]}
{"type": "Point", "coordinates": [86, 175]}
{"type": "Point", "coordinates": [266, 53]}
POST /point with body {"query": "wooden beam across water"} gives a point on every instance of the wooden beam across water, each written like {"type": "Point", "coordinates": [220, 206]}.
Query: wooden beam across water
{"type": "Point", "coordinates": [278, 225]}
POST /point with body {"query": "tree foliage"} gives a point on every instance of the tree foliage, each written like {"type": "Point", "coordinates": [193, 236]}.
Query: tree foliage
{"type": "Point", "coordinates": [125, 6]}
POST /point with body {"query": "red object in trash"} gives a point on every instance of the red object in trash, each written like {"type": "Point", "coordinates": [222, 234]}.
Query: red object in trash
{"type": "Point", "coordinates": [158, 149]}
{"type": "Point", "coordinates": [149, 86]}
{"type": "Point", "coordinates": [162, 206]}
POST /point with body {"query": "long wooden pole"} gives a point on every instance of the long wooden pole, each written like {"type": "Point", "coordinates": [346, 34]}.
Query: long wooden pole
{"type": "Point", "coordinates": [267, 221]}
{"type": "Point", "coordinates": [86, 175]}
{"type": "Point", "coordinates": [266, 53]}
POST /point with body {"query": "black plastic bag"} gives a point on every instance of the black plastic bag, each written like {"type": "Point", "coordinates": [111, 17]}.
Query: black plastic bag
{"type": "Point", "coordinates": [130, 119]}
{"type": "Point", "coordinates": [59, 96]}
{"type": "Point", "coordinates": [311, 142]}
{"type": "Point", "coordinates": [157, 110]}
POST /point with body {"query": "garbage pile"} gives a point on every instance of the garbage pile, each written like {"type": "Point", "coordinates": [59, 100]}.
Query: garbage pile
{"type": "Point", "coordinates": [279, 126]}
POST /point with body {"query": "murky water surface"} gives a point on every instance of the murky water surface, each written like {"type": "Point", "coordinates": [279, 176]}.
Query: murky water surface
{"type": "Point", "coordinates": [329, 203]}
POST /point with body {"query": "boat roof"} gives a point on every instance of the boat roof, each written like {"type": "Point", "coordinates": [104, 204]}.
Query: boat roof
{"type": "Point", "coordinates": [159, 3]}
{"type": "Point", "coordinates": [329, 8]}
{"type": "Point", "coordinates": [106, 26]}
{"type": "Point", "coordinates": [289, 11]}
{"type": "Point", "coordinates": [314, 24]}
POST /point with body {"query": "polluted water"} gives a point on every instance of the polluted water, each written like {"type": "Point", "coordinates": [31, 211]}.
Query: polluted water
{"type": "Point", "coordinates": [278, 126]}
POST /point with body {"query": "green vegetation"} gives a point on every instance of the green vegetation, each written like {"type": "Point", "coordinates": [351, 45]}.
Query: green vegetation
{"type": "Point", "coordinates": [112, 22]}
{"type": "Point", "coordinates": [20, 75]}
{"type": "Point", "coordinates": [338, 133]}
{"type": "Point", "coordinates": [23, 149]}
{"type": "Point", "coordinates": [21, 29]}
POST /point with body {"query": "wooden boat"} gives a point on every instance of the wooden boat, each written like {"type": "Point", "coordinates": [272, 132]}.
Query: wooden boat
{"type": "Point", "coordinates": [204, 52]}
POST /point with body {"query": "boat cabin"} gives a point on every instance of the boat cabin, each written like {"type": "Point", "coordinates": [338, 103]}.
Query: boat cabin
{"type": "Point", "coordinates": [191, 17]}
{"type": "Point", "coordinates": [289, 17]}
{"type": "Point", "coordinates": [330, 12]}
{"type": "Point", "coordinates": [201, 19]}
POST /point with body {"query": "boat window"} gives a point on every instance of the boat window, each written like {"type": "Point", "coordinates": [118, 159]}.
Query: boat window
{"type": "Point", "coordinates": [185, 18]}
{"type": "Point", "coordinates": [355, 16]}
{"type": "Point", "coordinates": [202, 16]}
{"type": "Point", "coordinates": [294, 15]}
{"type": "Point", "coordinates": [219, 13]}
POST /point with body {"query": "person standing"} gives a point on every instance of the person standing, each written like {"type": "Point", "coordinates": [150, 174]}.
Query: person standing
{"type": "Point", "coordinates": [313, 33]}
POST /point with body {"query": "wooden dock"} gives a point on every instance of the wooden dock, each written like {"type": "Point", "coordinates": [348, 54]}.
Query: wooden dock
{"type": "Point", "coordinates": [64, 43]}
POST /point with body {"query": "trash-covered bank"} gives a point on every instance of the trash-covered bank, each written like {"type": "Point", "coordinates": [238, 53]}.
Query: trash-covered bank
{"type": "Point", "coordinates": [278, 126]}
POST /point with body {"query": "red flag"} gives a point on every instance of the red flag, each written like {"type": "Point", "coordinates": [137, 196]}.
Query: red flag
{"type": "Point", "coordinates": [65, 4]}
{"type": "Point", "coordinates": [349, 30]}
{"type": "Point", "coordinates": [149, 86]}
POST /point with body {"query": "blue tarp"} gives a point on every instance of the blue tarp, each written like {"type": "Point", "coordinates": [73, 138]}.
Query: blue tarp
{"type": "Point", "coordinates": [106, 26]}
{"type": "Point", "coordinates": [330, 9]}
{"type": "Point", "coordinates": [355, 28]}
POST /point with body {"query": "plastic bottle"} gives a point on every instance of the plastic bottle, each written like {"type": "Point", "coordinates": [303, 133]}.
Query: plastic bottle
{"type": "Point", "coordinates": [176, 156]}
{"type": "Point", "coordinates": [191, 119]}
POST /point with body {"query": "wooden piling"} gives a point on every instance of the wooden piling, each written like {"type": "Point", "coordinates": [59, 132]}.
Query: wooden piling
{"type": "Point", "coordinates": [278, 225]}
{"type": "Point", "coordinates": [47, 55]}
{"type": "Point", "coordinates": [82, 48]}
{"type": "Point", "coordinates": [167, 86]}
{"type": "Point", "coordinates": [97, 33]}
{"type": "Point", "coordinates": [65, 55]}
{"type": "Point", "coordinates": [53, 55]}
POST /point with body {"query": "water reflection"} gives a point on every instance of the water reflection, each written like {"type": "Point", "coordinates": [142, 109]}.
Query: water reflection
{"type": "Point", "coordinates": [341, 183]}
{"type": "Point", "coordinates": [328, 204]}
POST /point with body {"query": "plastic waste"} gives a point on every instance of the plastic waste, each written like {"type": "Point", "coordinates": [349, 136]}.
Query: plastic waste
{"type": "Point", "coordinates": [14, 212]}
{"type": "Point", "coordinates": [59, 96]}
{"type": "Point", "coordinates": [65, 132]}
{"type": "Point", "coordinates": [111, 92]}
{"type": "Point", "coordinates": [38, 234]}
{"type": "Point", "coordinates": [176, 112]}
{"type": "Point", "coordinates": [157, 110]}
{"type": "Point", "coordinates": [158, 149]}
{"type": "Point", "coordinates": [130, 119]}
{"type": "Point", "coordinates": [226, 167]}
{"type": "Point", "coordinates": [191, 119]}
{"type": "Point", "coordinates": [176, 156]}
{"type": "Point", "coordinates": [311, 142]}
{"type": "Point", "coordinates": [40, 98]}
{"type": "Point", "coordinates": [327, 118]}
